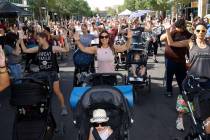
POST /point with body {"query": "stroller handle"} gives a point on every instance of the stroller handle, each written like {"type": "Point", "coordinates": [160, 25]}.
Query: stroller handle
{"type": "Point", "coordinates": [192, 83]}
{"type": "Point", "coordinates": [42, 78]}
{"type": "Point", "coordinates": [93, 75]}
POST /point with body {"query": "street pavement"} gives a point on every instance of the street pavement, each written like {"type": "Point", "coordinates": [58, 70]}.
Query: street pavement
{"type": "Point", "coordinates": [154, 116]}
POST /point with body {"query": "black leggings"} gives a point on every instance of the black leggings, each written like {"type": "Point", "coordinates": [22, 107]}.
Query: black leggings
{"type": "Point", "coordinates": [149, 45]}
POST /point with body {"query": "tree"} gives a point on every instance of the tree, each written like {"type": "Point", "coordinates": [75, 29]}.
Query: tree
{"type": "Point", "coordinates": [62, 7]}
{"type": "Point", "coordinates": [130, 4]}
{"type": "Point", "coordinates": [121, 8]}
{"type": "Point", "coordinates": [111, 11]}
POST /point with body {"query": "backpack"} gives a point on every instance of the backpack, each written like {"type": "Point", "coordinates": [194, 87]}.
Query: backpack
{"type": "Point", "coordinates": [82, 59]}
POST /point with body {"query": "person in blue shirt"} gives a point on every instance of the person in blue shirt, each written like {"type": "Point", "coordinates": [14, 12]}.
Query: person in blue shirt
{"type": "Point", "coordinates": [13, 54]}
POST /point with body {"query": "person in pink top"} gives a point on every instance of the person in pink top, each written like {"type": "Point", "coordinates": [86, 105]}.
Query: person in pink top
{"type": "Point", "coordinates": [105, 52]}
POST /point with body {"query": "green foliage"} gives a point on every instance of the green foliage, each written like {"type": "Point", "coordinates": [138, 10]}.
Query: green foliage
{"type": "Point", "coordinates": [130, 4]}
{"type": "Point", "coordinates": [121, 8]}
{"type": "Point", "coordinates": [111, 11]}
{"type": "Point", "coordinates": [160, 5]}
{"type": "Point", "coordinates": [62, 7]}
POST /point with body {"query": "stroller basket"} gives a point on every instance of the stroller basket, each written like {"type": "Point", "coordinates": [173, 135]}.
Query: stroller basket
{"type": "Point", "coordinates": [28, 94]}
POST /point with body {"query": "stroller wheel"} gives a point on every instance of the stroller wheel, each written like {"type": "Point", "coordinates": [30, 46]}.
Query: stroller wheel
{"type": "Point", "coordinates": [117, 67]}
{"type": "Point", "coordinates": [79, 136]}
{"type": "Point", "coordinates": [149, 84]}
{"type": "Point", "coordinates": [49, 133]}
{"type": "Point", "coordinates": [126, 135]}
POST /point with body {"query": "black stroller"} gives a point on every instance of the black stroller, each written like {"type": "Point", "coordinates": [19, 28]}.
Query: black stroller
{"type": "Point", "coordinates": [120, 58]}
{"type": "Point", "coordinates": [31, 98]}
{"type": "Point", "coordinates": [115, 104]}
{"type": "Point", "coordinates": [141, 80]}
{"type": "Point", "coordinates": [84, 65]}
{"type": "Point", "coordinates": [200, 111]}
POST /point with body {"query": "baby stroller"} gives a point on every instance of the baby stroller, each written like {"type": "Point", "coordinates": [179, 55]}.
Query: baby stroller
{"type": "Point", "coordinates": [84, 65]}
{"type": "Point", "coordinates": [199, 111]}
{"type": "Point", "coordinates": [120, 58]}
{"type": "Point", "coordinates": [33, 118]}
{"type": "Point", "coordinates": [139, 80]}
{"type": "Point", "coordinates": [115, 100]}
{"type": "Point", "coordinates": [115, 104]}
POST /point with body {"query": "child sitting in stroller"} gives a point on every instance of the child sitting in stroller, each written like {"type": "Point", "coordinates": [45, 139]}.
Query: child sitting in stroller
{"type": "Point", "coordinates": [138, 70]}
{"type": "Point", "coordinates": [100, 129]}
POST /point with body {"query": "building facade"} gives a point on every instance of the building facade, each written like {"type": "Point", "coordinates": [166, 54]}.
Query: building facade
{"type": "Point", "coordinates": [196, 8]}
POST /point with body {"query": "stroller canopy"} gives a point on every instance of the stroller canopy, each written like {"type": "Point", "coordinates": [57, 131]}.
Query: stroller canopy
{"type": "Point", "coordinates": [104, 95]}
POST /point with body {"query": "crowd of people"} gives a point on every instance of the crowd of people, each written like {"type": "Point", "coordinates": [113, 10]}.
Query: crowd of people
{"type": "Point", "coordinates": [97, 36]}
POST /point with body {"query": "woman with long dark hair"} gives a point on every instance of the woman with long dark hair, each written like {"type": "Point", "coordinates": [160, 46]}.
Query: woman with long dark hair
{"type": "Point", "coordinates": [105, 51]}
{"type": "Point", "coordinates": [198, 45]}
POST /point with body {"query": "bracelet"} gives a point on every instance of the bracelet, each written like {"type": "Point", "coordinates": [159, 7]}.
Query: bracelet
{"type": "Point", "coordinates": [2, 72]}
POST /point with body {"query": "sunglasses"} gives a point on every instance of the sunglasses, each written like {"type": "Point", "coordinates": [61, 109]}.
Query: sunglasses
{"type": "Point", "coordinates": [102, 37]}
{"type": "Point", "coordinates": [101, 124]}
{"type": "Point", "coordinates": [198, 31]}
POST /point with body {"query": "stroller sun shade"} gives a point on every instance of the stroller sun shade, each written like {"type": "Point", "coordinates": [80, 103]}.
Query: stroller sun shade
{"type": "Point", "coordinates": [103, 95]}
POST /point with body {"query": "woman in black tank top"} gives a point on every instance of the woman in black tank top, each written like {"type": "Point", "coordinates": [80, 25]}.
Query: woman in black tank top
{"type": "Point", "coordinates": [47, 63]}
{"type": "Point", "coordinates": [198, 46]}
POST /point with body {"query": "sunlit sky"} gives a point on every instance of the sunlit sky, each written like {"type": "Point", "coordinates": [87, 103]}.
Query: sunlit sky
{"type": "Point", "coordinates": [101, 4]}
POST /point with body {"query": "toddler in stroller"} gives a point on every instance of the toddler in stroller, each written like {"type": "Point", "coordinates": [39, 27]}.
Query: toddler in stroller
{"type": "Point", "coordinates": [100, 128]}
{"type": "Point", "coordinates": [137, 70]}
{"type": "Point", "coordinates": [137, 63]}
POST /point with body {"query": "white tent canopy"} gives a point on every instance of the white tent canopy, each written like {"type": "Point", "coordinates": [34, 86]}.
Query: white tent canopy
{"type": "Point", "coordinates": [125, 13]}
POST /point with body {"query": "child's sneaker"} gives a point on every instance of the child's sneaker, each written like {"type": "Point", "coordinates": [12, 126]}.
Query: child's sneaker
{"type": "Point", "coordinates": [179, 124]}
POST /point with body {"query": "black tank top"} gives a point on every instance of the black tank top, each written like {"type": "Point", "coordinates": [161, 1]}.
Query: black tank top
{"type": "Point", "coordinates": [47, 59]}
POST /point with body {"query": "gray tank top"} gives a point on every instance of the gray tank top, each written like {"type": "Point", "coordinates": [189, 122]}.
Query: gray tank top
{"type": "Point", "coordinates": [200, 61]}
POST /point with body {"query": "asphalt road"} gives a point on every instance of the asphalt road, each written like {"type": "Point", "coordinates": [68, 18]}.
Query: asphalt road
{"type": "Point", "coordinates": [154, 116]}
